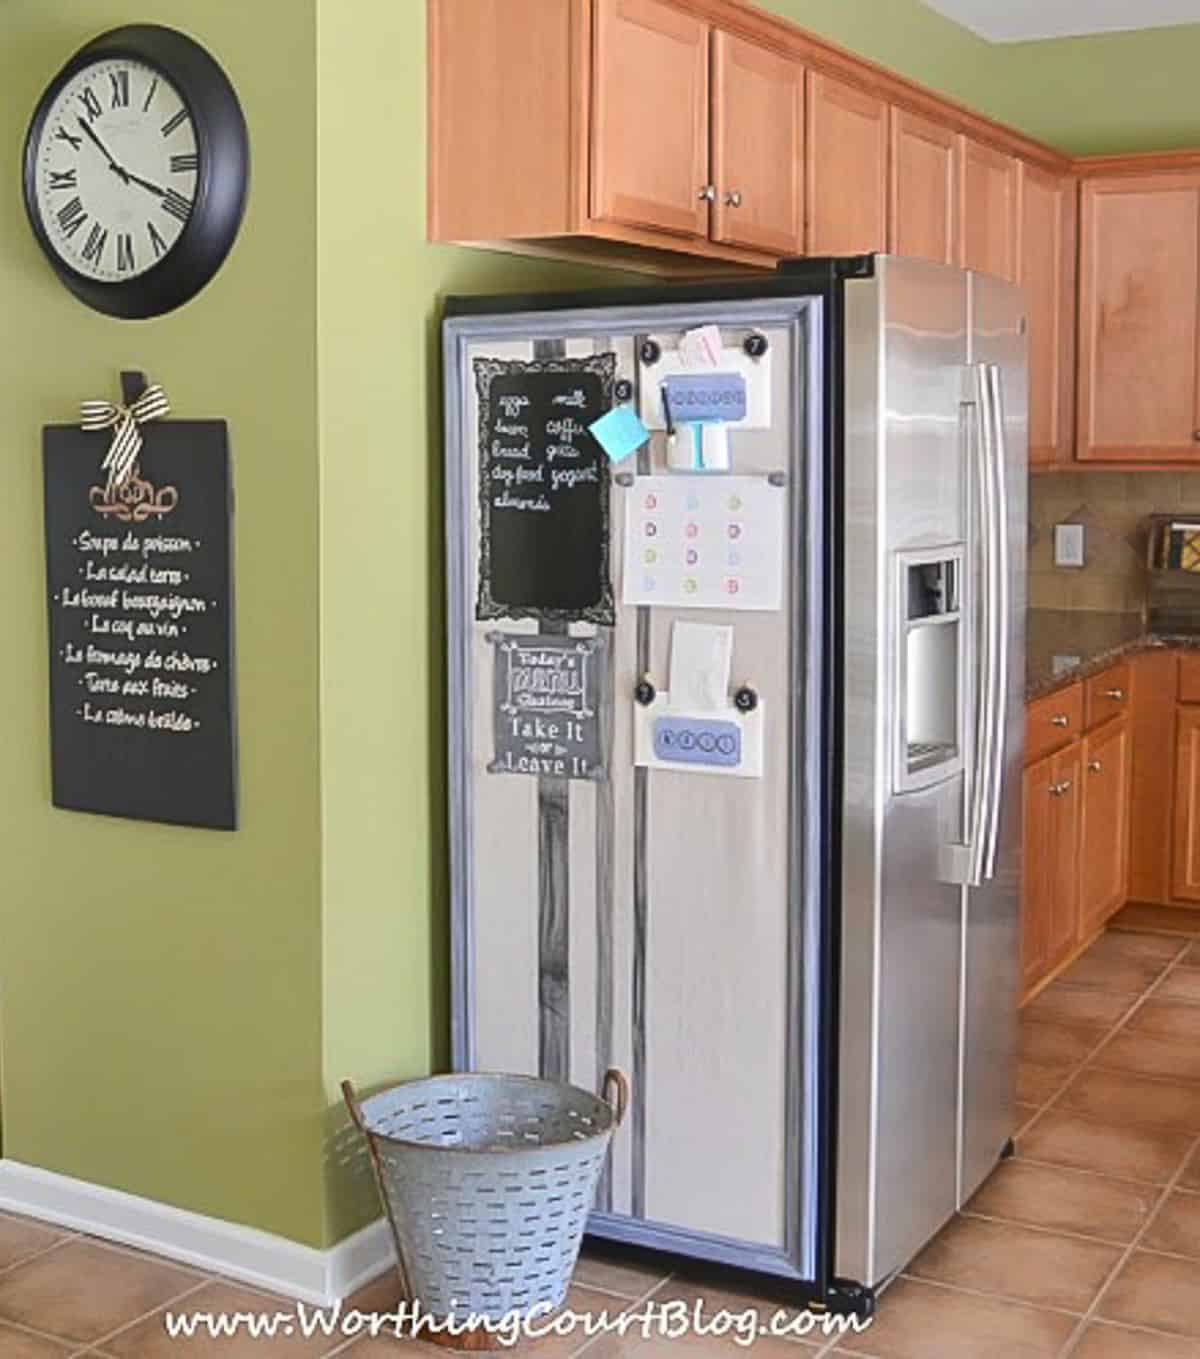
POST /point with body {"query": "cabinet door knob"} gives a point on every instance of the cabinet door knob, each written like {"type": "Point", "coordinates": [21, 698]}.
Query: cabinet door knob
{"type": "Point", "coordinates": [1096, 766]}
{"type": "Point", "coordinates": [708, 193]}
{"type": "Point", "coordinates": [1196, 435]}
{"type": "Point", "coordinates": [733, 199]}
{"type": "Point", "coordinates": [1060, 789]}
{"type": "Point", "coordinates": [1060, 720]}
{"type": "Point", "coordinates": [1117, 695]}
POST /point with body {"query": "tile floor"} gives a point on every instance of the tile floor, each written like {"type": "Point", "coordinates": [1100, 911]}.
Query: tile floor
{"type": "Point", "coordinates": [1086, 1244]}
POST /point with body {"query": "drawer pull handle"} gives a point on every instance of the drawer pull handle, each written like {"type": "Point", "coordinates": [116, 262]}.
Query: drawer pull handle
{"type": "Point", "coordinates": [1060, 720]}
{"type": "Point", "coordinates": [1095, 766]}
{"type": "Point", "coordinates": [1117, 695]}
{"type": "Point", "coordinates": [1060, 789]}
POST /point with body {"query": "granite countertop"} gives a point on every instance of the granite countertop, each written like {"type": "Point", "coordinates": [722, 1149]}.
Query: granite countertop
{"type": "Point", "coordinates": [1064, 645]}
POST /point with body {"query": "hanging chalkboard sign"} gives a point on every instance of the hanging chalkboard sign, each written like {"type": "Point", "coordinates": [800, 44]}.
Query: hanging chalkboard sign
{"type": "Point", "coordinates": [543, 489]}
{"type": "Point", "coordinates": [139, 585]}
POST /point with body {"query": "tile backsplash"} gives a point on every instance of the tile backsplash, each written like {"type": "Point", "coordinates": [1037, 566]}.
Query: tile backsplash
{"type": "Point", "coordinates": [1113, 507]}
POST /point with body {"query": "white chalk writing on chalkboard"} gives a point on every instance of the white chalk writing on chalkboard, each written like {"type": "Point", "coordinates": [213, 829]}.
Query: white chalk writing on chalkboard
{"type": "Point", "coordinates": [543, 489]}
{"type": "Point", "coordinates": [140, 614]}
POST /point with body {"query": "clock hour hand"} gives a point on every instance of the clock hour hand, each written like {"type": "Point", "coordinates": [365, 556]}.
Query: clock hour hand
{"type": "Point", "coordinates": [145, 184]}
{"type": "Point", "coordinates": [104, 151]}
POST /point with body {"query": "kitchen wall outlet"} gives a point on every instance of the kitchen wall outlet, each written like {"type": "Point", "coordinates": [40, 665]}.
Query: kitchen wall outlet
{"type": "Point", "coordinates": [1068, 544]}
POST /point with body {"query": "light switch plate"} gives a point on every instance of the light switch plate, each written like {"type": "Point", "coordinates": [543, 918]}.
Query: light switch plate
{"type": "Point", "coordinates": [1068, 545]}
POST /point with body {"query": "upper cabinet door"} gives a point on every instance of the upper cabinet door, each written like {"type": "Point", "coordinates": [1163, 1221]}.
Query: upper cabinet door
{"type": "Point", "coordinates": [1139, 272]}
{"type": "Point", "coordinates": [650, 117]}
{"type": "Point", "coordinates": [758, 147]}
{"type": "Point", "coordinates": [924, 189]}
{"type": "Point", "coordinates": [847, 169]}
{"type": "Point", "coordinates": [1047, 263]}
{"type": "Point", "coordinates": [989, 210]}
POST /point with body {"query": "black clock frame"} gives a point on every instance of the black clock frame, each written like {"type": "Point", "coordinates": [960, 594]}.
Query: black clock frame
{"type": "Point", "coordinates": [222, 143]}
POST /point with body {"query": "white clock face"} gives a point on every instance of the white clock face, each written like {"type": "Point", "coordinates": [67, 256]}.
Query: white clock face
{"type": "Point", "coordinates": [116, 170]}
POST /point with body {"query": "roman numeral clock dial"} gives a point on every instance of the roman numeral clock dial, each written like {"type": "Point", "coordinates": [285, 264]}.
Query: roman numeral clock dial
{"type": "Point", "coordinates": [117, 159]}
{"type": "Point", "coordinates": [117, 175]}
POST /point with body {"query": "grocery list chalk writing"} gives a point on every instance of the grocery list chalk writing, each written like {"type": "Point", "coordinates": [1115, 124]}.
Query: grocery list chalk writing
{"type": "Point", "coordinates": [543, 489]}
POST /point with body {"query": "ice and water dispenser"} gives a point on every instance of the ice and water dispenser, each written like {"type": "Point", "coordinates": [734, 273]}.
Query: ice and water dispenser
{"type": "Point", "coordinates": [930, 653]}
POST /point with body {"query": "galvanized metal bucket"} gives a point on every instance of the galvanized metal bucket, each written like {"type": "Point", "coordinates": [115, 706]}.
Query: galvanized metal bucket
{"type": "Point", "coordinates": [487, 1181]}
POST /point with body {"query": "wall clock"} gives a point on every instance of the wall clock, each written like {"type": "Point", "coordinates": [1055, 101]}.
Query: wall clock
{"type": "Point", "coordinates": [136, 169]}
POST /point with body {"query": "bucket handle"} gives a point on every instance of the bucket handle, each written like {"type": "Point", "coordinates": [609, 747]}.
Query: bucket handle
{"type": "Point", "coordinates": [351, 1097]}
{"type": "Point", "coordinates": [615, 1093]}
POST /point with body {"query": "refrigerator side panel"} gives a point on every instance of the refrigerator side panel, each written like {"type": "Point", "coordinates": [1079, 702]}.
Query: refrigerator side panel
{"type": "Point", "coordinates": [991, 953]}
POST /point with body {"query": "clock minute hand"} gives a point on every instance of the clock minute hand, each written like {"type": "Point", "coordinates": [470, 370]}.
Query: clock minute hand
{"type": "Point", "coordinates": [104, 151]}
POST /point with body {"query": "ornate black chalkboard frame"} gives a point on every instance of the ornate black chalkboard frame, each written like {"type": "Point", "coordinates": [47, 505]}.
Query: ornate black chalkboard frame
{"type": "Point", "coordinates": [603, 612]}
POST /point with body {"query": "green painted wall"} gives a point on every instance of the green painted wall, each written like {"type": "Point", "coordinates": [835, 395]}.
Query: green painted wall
{"type": "Point", "coordinates": [160, 988]}
{"type": "Point", "coordinates": [1107, 93]}
{"type": "Point", "coordinates": [383, 734]}
{"type": "Point", "coordinates": [905, 36]}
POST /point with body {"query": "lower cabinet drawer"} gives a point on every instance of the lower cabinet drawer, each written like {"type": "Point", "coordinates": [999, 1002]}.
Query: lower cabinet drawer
{"type": "Point", "coordinates": [1052, 721]}
{"type": "Point", "coordinates": [1106, 695]}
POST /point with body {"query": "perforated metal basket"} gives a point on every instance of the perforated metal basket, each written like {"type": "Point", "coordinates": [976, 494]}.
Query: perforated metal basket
{"type": "Point", "coordinates": [487, 1182]}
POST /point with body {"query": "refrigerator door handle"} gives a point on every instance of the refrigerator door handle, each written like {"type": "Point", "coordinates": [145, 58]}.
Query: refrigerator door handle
{"type": "Point", "coordinates": [990, 697]}
{"type": "Point", "coordinates": [978, 433]}
{"type": "Point", "coordinates": [994, 415]}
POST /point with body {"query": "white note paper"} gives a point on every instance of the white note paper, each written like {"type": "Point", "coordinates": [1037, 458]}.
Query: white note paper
{"type": "Point", "coordinates": [700, 348]}
{"type": "Point", "coordinates": [701, 657]}
{"type": "Point", "coordinates": [705, 543]}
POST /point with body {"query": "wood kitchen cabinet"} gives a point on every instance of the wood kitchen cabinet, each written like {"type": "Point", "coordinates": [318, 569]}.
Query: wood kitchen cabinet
{"type": "Point", "coordinates": [1103, 863]}
{"type": "Point", "coordinates": [847, 168]}
{"type": "Point", "coordinates": [1077, 787]}
{"type": "Point", "coordinates": [699, 136]}
{"type": "Point", "coordinates": [758, 147]}
{"type": "Point", "coordinates": [988, 212]}
{"type": "Point", "coordinates": [1185, 877]}
{"type": "Point", "coordinates": [650, 132]}
{"type": "Point", "coordinates": [1046, 269]}
{"type": "Point", "coordinates": [923, 188]}
{"type": "Point", "coordinates": [1050, 892]}
{"type": "Point", "coordinates": [1139, 337]}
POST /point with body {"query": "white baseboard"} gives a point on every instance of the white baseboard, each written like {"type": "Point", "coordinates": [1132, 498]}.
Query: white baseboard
{"type": "Point", "coordinates": [319, 1277]}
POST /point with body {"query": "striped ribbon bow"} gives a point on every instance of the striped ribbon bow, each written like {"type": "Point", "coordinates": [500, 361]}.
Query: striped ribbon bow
{"type": "Point", "coordinates": [125, 421]}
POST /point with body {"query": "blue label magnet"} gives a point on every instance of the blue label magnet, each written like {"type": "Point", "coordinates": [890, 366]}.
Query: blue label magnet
{"type": "Point", "coordinates": [697, 740]}
{"type": "Point", "coordinates": [619, 433]}
{"type": "Point", "coordinates": [696, 398]}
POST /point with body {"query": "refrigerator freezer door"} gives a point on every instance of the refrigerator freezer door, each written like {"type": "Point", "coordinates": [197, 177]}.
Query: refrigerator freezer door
{"type": "Point", "coordinates": [906, 349]}
{"type": "Point", "coordinates": [655, 918]}
{"type": "Point", "coordinates": [992, 908]}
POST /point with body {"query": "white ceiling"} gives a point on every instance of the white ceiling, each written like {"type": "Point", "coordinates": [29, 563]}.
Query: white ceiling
{"type": "Point", "coordinates": [1020, 20]}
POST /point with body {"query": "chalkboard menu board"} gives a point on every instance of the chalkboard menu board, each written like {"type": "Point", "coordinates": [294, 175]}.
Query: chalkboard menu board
{"type": "Point", "coordinates": [547, 709]}
{"type": "Point", "coordinates": [139, 589]}
{"type": "Point", "coordinates": [543, 489]}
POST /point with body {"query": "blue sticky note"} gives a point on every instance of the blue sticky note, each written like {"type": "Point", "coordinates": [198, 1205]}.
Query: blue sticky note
{"type": "Point", "coordinates": [697, 398]}
{"type": "Point", "coordinates": [619, 433]}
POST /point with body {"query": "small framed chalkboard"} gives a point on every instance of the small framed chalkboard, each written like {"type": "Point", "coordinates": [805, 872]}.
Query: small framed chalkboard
{"type": "Point", "coordinates": [547, 705]}
{"type": "Point", "coordinates": [544, 489]}
{"type": "Point", "coordinates": [140, 596]}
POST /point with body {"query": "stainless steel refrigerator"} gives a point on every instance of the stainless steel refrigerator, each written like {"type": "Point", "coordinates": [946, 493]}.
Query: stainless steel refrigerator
{"type": "Point", "coordinates": [735, 638]}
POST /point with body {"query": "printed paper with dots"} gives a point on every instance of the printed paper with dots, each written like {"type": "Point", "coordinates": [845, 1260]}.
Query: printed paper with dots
{"type": "Point", "coordinates": [704, 542]}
